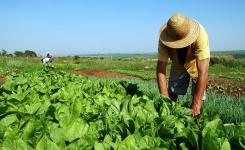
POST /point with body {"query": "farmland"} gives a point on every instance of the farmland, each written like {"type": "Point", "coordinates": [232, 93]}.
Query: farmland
{"type": "Point", "coordinates": [113, 103]}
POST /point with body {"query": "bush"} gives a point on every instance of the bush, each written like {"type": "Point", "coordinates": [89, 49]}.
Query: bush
{"type": "Point", "coordinates": [227, 60]}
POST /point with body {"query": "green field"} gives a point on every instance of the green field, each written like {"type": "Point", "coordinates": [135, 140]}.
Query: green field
{"type": "Point", "coordinates": [62, 111]}
{"type": "Point", "coordinates": [47, 105]}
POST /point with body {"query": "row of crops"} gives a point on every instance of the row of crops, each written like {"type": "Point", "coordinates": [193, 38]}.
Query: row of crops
{"type": "Point", "coordinates": [54, 110]}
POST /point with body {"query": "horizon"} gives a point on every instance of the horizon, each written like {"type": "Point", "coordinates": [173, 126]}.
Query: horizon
{"type": "Point", "coordinates": [114, 53]}
{"type": "Point", "coordinates": [96, 27]}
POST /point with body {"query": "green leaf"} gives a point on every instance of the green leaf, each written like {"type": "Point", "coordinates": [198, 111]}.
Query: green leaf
{"type": "Point", "coordinates": [21, 80]}
{"type": "Point", "coordinates": [9, 119]}
{"type": "Point", "coordinates": [76, 129]}
{"type": "Point", "coordinates": [58, 135]}
{"type": "Point", "coordinates": [225, 145]}
{"type": "Point", "coordinates": [214, 128]}
{"type": "Point", "coordinates": [98, 146]}
{"type": "Point", "coordinates": [15, 143]}
{"type": "Point", "coordinates": [130, 142]}
{"type": "Point", "coordinates": [31, 131]}
{"type": "Point", "coordinates": [46, 144]}
{"type": "Point", "coordinates": [62, 114]}
{"type": "Point", "coordinates": [188, 137]}
{"type": "Point", "coordinates": [32, 108]}
{"type": "Point", "coordinates": [183, 147]}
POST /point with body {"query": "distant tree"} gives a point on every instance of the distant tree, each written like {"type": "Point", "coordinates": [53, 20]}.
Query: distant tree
{"type": "Point", "coordinates": [10, 55]}
{"type": "Point", "coordinates": [19, 54]}
{"type": "Point", "coordinates": [76, 59]}
{"type": "Point", "coordinates": [29, 53]}
{"type": "Point", "coordinates": [4, 52]}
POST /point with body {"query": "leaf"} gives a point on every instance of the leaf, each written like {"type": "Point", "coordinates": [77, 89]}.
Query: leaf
{"type": "Point", "coordinates": [30, 131]}
{"type": "Point", "coordinates": [183, 147]}
{"type": "Point", "coordinates": [76, 129]}
{"type": "Point", "coordinates": [213, 128]}
{"type": "Point", "coordinates": [19, 95]}
{"type": "Point", "coordinates": [58, 135]}
{"type": "Point", "coordinates": [148, 142]}
{"type": "Point", "coordinates": [9, 119]}
{"type": "Point", "coordinates": [225, 145]}
{"type": "Point", "coordinates": [16, 143]}
{"type": "Point", "coordinates": [21, 80]}
{"type": "Point", "coordinates": [188, 138]}
{"type": "Point", "coordinates": [98, 146]}
{"type": "Point", "coordinates": [213, 135]}
{"type": "Point", "coordinates": [46, 144]}
{"type": "Point", "coordinates": [62, 114]}
{"type": "Point", "coordinates": [32, 108]}
{"type": "Point", "coordinates": [9, 85]}
{"type": "Point", "coordinates": [130, 142]}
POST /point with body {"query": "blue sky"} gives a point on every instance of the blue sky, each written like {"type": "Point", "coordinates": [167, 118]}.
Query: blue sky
{"type": "Point", "coordinates": [69, 27]}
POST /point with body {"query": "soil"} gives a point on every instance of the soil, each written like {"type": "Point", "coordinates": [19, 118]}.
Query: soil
{"type": "Point", "coordinates": [228, 86]}
{"type": "Point", "coordinates": [103, 74]}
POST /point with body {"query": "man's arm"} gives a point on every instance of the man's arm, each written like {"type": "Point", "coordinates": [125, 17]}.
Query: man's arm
{"type": "Point", "coordinates": [161, 77]}
{"type": "Point", "coordinates": [202, 67]}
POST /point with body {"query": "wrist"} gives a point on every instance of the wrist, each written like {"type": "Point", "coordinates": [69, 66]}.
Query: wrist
{"type": "Point", "coordinates": [165, 93]}
{"type": "Point", "coordinates": [197, 102]}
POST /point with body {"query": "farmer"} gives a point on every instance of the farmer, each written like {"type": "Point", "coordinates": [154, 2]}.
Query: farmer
{"type": "Point", "coordinates": [185, 42]}
{"type": "Point", "coordinates": [48, 59]}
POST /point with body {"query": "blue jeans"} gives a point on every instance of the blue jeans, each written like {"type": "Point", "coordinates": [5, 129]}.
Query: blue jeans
{"type": "Point", "coordinates": [178, 84]}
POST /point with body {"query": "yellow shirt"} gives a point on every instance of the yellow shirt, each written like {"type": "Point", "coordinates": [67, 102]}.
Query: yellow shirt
{"type": "Point", "coordinates": [199, 50]}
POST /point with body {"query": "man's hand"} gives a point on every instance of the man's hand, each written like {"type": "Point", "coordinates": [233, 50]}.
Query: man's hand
{"type": "Point", "coordinates": [196, 109]}
{"type": "Point", "coordinates": [202, 67]}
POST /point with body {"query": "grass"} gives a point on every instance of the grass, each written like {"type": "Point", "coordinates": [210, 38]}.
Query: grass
{"type": "Point", "coordinates": [230, 109]}
{"type": "Point", "coordinates": [141, 74]}
{"type": "Point", "coordinates": [104, 63]}
{"type": "Point", "coordinates": [219, 70]}
{"type": "Point", "coordinates": [70, 63]}
{"type": "Point", "coordinates": [15, 64]}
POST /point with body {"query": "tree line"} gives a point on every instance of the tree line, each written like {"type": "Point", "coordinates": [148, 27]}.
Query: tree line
{"type": "Point", "coordinates": [26, 53]}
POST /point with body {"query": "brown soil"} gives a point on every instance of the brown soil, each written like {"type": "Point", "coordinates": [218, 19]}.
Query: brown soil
{"type": "Point", "coordinates": [103, 74]}
{"type": "Point", "coordinates": [228, 86]}
{"type": "Point", "coordinates": [228, 82]}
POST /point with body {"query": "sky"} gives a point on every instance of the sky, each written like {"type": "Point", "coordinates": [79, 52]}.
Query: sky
{"type": "Point", "coordinates": [74, 27]}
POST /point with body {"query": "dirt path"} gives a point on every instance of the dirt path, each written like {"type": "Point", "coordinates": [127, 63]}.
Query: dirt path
{"type": "Point", "coordinates": [103, 74]}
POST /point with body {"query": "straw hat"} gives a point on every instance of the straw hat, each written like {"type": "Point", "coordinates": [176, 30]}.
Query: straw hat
{"type": "Point", "coordinates": [179, 32]}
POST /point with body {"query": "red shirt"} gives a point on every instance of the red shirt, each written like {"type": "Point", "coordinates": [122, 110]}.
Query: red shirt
{"type": "Point", "coordinates": [49, 55]}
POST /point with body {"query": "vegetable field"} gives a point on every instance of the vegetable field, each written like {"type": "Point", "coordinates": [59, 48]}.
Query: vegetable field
{"type": "Point", "coordinates": [54, 110]}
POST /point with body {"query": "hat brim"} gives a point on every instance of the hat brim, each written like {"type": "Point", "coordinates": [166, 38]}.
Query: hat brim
{"type": "Point", "coordinates": [190, 38]}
